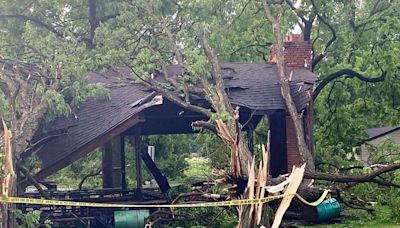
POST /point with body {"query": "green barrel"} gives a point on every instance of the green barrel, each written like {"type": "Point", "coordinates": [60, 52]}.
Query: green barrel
{"type": "Point", "coordinates": [328, 209]}
{"type": "Point", "coordinates": [130, 219]}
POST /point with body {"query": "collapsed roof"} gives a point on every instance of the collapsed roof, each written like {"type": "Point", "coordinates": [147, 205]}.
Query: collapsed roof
{"type": "Point", "coordinates": [252, 86]}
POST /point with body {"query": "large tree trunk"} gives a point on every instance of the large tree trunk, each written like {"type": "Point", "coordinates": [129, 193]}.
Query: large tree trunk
{"type": "Point", "coordinates": [304, 151]}
{"type": "Point", "coordinates": [240, 153]}
{"type": "Point", "coordinates": [231, 133]}
{"type": "Point", "coordinates": [23, 124]}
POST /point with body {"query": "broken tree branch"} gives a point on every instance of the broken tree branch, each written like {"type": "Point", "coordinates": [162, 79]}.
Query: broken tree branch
{"type": "Point", "coordinates": [204, 125]}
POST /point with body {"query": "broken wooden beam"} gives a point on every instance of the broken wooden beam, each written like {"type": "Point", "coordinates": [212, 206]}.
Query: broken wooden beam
{"type": "Point", "coordinates": [162, 181]}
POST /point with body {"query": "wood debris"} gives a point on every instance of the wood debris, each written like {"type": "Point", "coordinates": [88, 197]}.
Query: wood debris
{"type": "Point", "coordinates": [295, 180]}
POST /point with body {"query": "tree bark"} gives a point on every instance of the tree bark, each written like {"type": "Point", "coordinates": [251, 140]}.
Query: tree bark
{"type": "Point", "coordinates": [221, 103]}
{"type": "Point", "coordinates": [304, 151]}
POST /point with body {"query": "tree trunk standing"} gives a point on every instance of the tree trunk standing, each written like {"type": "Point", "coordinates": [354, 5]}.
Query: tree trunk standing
{"type": "Point", "coordinates": [304, 151]}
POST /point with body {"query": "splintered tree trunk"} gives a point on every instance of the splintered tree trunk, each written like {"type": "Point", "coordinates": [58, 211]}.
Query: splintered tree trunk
{"type": "Point", "coordinates": [8, 183]}
{"type": "Point", "coordinates": [240, 153]}
{"type": "Point", "coordinates": [248, 215]}
{"type": "Point", "coordinates": [230, 133]}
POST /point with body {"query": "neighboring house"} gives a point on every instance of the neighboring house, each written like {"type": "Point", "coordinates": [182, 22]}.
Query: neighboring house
{"type": "Point", "coordinates": [376, 136]}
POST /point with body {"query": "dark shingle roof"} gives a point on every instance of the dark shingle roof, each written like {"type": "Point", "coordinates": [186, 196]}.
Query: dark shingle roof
{"type": "Point", "coordinates": [256, 86]}
{"type": "Point", "coordinates": [251, 85]}
{"type": "Point", "coordinates": [95, 117]}
{"type": "Point", "coordinates": [376, 132]}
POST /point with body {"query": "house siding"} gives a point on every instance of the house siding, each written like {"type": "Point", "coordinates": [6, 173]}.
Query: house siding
{"type": "Point", "coordinates": [364, 155]}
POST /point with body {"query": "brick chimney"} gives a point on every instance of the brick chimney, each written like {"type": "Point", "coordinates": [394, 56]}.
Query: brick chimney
{"type": "Point", "coordinates": [297, 54]}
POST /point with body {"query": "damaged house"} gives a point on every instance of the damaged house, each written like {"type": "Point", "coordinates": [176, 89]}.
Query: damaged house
{"type": "Point", "coordinates": [134, 111]}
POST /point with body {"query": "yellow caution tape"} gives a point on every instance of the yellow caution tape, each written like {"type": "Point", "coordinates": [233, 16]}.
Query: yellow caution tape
{"type": "Point", "coordinates": [20, 200]}
{"type": "Point", "coordinates": [316, 203]}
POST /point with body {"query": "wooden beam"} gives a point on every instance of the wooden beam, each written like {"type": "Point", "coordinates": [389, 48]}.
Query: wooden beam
{"type": "Point", "coordinates": [32, 180]}
{"type": "Point", "coordinates": [116, 162]}
{"type": "Point", "coordinates": [138, 161]}
{"type": "Point", "coordinates": [123, 165]}
{"type": "Point", "coordinates": [106, 165]}
{"type": "Point", "coordinates": [162, 181]}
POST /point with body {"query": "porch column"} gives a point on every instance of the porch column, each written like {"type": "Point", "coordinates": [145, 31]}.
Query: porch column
{"type": "Point", "coordinates": [106, 165]}
{"type": "Point", "coordinates": [116, 162]}
{"type": "Point", "coordinates": [123, 165]}
{"type": "Point", "coordinates": [111, 163]}
{"type": "Point", "coordinates": [137, 140]}
{"type": "Point", "coordinates": [278, 150]}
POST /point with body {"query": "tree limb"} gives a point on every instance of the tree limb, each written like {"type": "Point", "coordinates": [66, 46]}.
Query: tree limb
{"type": "Point", "coordinates": [385, 183]}
{"type": "Point", "coordinates": [356, 178]}
{"type": "Point", "coordinates": [87, 176]}
{"type": "Point", "coordinates": [35, 20]}
{"type": "Point", "coordinates": [351, 205]}
{"type": "Point", "coordinates": [350, 74]}
{"type": "Point", "coordinates": [223, 103]}
{"type": "Point", "coordinates": [374, 11]}
{"type": "Point", "coordinates": [307, 25]}
{"type": "Point", "coordinates": [241, 12]}
{"type": "Point", "coordinates": [293, 8]}
{"type": "Point", "coordinates": [204, 124]}
{"type": "Point", "coordinates": [107, 17]}
{"type": "Point", "coordinates": [322, 55]}
{"type": "Point", "coordinates": [264, 46]}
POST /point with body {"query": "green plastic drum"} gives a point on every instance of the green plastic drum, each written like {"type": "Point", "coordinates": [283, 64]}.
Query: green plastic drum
{"type": "Point", "coordinates": [328, 209]}
{"type": "Point", "coordinates": [130, 219]}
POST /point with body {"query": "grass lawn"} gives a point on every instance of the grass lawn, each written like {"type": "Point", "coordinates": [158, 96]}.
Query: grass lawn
{"type": "Point", "coordinates": [357, 224]}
